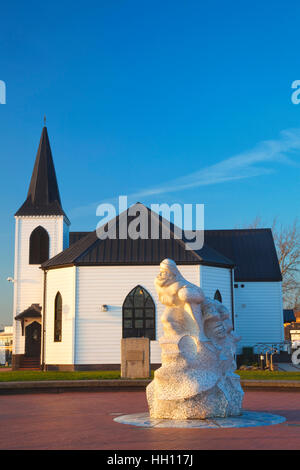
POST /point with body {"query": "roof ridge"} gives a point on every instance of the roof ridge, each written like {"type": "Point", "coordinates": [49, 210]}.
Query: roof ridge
{"type": "Point", "coordinates": [83, 250]}
{"type": "Point", "coordinates": [180, 241]}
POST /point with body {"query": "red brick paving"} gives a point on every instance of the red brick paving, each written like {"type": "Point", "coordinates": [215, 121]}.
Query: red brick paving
{"type": "Point", "coordinates": [84, 421]}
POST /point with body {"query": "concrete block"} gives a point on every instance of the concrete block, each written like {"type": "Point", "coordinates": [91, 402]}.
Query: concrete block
{"type": "Point", "coordinates": [135, 358]}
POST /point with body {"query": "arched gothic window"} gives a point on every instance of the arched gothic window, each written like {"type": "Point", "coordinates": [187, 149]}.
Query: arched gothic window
{"type": "Point", "coordinates": [57, 317]}
{"type": "Point", "coordinates": [138, 314]}
{"type": "Point", "coordinates": [38, 246]}
{"type": "Point", "coordinates": [218, 296]}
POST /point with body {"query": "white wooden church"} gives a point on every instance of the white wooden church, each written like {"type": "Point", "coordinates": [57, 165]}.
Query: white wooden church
{"type": "Point", "coordinates": [76, 296]}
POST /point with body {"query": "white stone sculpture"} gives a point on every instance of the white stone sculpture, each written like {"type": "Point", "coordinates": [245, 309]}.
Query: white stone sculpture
{"type": "Point", "coordinates": [196, 379]}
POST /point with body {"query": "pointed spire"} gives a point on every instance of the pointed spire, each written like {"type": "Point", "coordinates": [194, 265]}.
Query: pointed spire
{"type": "Point", "coordinates": [43, 195]}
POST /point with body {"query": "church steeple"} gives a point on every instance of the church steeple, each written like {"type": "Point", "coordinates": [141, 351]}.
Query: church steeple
{"type": "Point", "coordinates": [43, 195]}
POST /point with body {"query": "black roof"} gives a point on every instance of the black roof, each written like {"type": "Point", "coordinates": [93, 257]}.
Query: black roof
{"type": "Point", "coordinates": [75, 236]}
{"type": "Point", "coordinates": [43, 195]}
{"type": "Point", "coordinates": [88, 250]}
{"type": "Point", "coordinates": [252, 251]}
{"type": "Point", "coordinates": [288, 315]}
{"type": "Point", "coordinates": [34, 311]}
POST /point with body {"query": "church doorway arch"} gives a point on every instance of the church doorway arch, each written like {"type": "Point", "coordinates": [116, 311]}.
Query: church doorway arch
{"type": "Point", "coordinates": [33, 340]}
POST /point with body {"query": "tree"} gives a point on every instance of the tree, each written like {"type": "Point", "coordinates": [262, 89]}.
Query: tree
{"type": "Point", "coordinates": [296, 300]}
{"type": "Point", "coordinates": [287, 243]}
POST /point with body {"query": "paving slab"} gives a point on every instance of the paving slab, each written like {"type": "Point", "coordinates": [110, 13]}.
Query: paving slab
{"type": "Point", "coordinates": [60, 386]}
{"type": "Point", "coordinates": [86, 421]}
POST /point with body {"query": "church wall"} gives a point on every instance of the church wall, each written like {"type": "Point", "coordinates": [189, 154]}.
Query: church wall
{"type": "Point", "coordinates": [258, 313]}
{"type": "Point", "coordinates": [98, 334]}
{"type": "Point", "coordinates": [28, 285]}
{"type": "Point", "coordinates": [63, 281]}
{"type": "Point", "coordinates": [257, 306]}
{"type": "Point", "coordinates": [213, 279]}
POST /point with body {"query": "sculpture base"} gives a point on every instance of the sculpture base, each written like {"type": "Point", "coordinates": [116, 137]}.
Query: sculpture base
{"type": "Point", "coordinates": [221, 401]}
{"type": "Point", "coordinates": [245, 420]}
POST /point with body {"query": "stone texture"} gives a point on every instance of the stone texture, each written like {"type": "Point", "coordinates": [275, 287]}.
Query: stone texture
{"type": "Point", "coordinates": [245, 420]}
{"type": "Point", "coordinates": [196, 379]}
{"type": "Point", "coordinates": [135, 360]}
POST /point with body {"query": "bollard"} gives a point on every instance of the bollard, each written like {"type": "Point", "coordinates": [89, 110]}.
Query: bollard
{"type": "Point", "coordinates": [262, 357]}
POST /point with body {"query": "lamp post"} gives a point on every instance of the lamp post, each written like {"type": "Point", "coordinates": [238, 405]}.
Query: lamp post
{"type": "Point", "coordinates": [262, 357]}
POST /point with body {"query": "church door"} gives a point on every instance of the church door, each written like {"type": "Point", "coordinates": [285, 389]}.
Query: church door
{"type": "Point", "coordinates": [33, 340]}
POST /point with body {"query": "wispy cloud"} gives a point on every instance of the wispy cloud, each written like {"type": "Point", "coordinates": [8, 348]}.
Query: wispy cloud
{"type": "Point", "coordinates": [248, 164]}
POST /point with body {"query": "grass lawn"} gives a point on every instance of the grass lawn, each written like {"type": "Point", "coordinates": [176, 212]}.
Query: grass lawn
{"type": "Point", "coordinates": [267, 375]}
{"type": "Point", "coordinates": [13, 376]}
{"type": "Point", "coordinates": [23, 375]}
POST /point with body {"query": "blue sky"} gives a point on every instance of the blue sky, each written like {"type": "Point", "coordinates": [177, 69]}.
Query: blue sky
{"type": "Point", "coordinates": [166, 95]}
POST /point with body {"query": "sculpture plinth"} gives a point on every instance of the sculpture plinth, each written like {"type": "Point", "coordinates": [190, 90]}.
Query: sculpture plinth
{"type": "Point", "coordinates": [196, 379]}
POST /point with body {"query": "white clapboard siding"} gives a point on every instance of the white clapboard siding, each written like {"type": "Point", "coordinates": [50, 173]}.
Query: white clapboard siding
{"type": "Point", "coordinates": [213, 279]}
{"type": "Point", "coordinates": [28, 285]}
{"type": "Point", "coordinates": [98, 334]}
{"type": "Point", "coordinates": [60, 280]}
{"type": "Point", "coordinates": [258, 313]}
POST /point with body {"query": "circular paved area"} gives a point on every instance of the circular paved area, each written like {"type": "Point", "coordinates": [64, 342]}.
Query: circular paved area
{"type": "Point", "coordinates": [247, 419]}
{"type": "Point", "coordinates": [86, 421]}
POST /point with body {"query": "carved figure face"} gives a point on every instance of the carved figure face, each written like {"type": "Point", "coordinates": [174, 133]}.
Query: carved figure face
{"type": "Point", "coordinates": [168, 273]}
{"type": "Point", "coordinates": [165, 278]}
